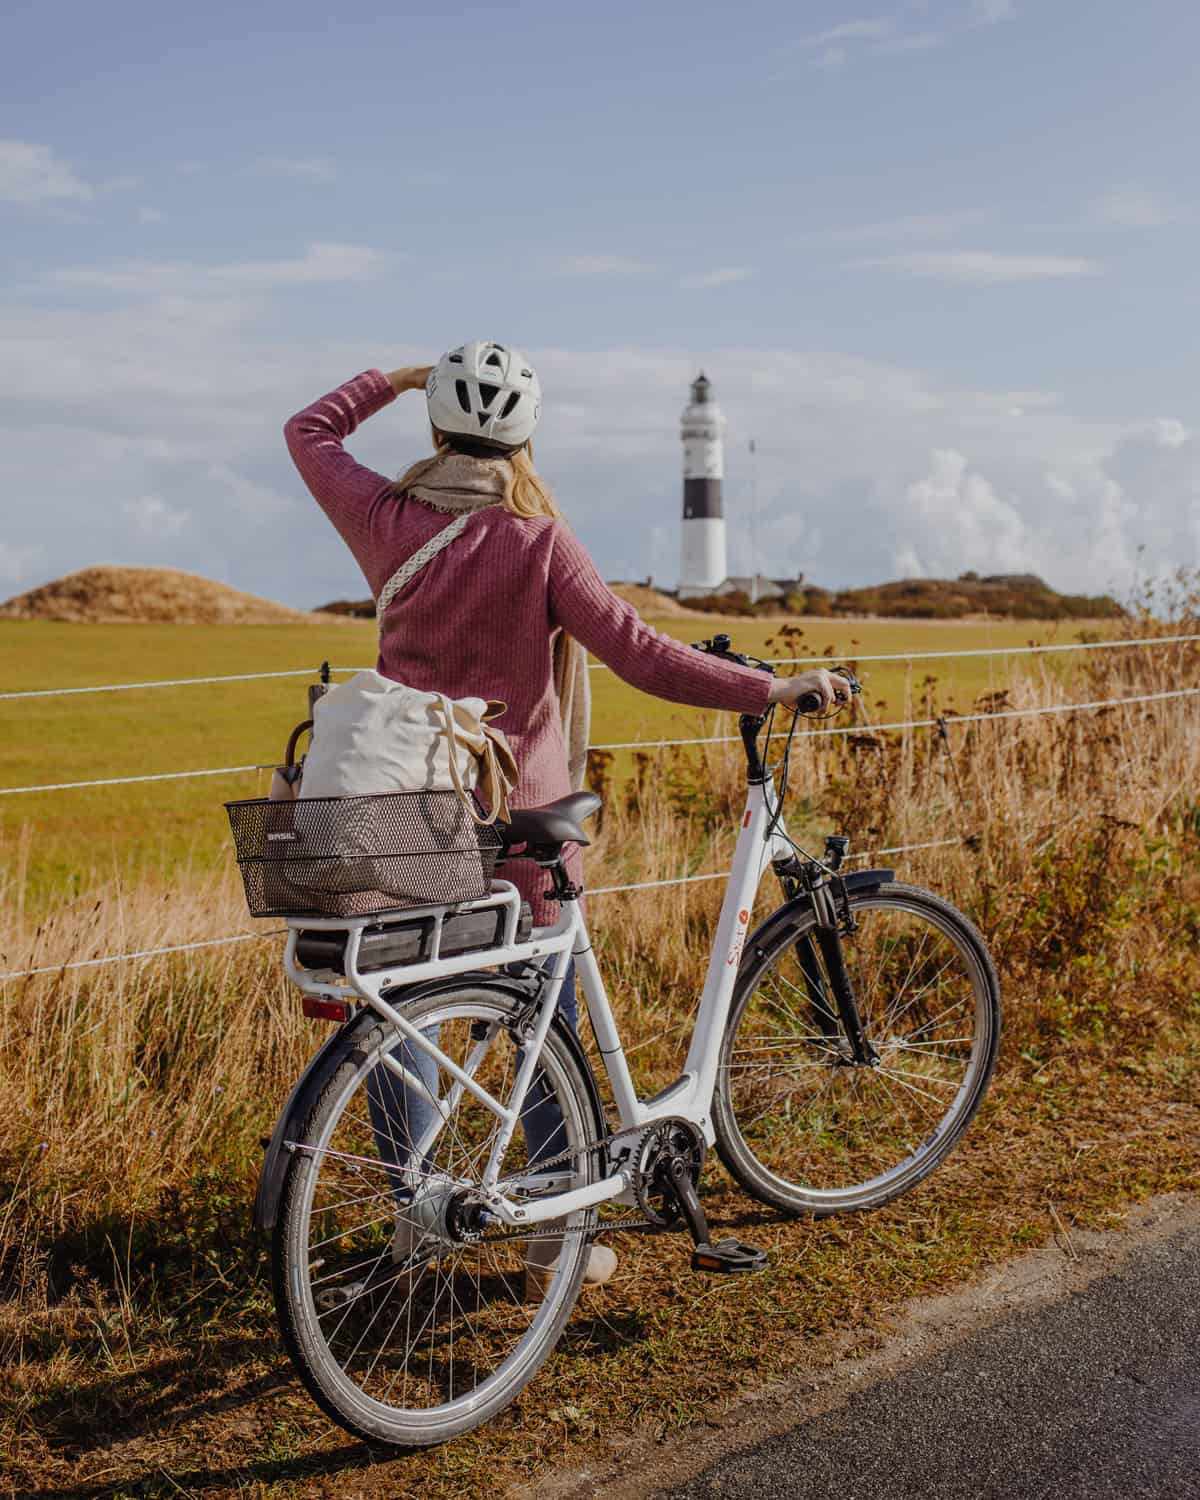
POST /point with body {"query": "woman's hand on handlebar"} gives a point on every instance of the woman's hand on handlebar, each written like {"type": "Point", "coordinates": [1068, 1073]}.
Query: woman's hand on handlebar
{"type": "Point", "coordinates": [828, 689]}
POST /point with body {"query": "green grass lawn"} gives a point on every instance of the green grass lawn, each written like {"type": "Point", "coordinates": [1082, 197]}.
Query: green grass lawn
{"type": "Point", "coordinates": [70, 839]}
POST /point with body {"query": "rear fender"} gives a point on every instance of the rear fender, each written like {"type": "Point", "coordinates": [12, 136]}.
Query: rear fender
{"type": "Point", "coordinates": [344, 1046]}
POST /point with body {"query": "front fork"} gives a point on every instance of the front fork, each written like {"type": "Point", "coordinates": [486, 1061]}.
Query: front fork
{"type": "Point", "coordinates": [822, 962]}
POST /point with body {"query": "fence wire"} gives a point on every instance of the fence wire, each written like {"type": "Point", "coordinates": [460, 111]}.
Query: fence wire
{"type": "Point", "coordinates": [252, 937]}
{"type": "Point", "coordinates": [865, 728]}
{"type": "Point", "coordinates": [599, 666]}
{"type": "Point", "coordinates": [713, 739]}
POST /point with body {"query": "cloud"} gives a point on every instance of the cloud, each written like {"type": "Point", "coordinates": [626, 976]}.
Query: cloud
{"type": "Point", "coordinates": [908, 226]}
{"type": "Point", "coordinates": [921, 41]}
{"type": "Point", "coordinates": [177, 401]}
{"type": "Point", "coordinates": [32, 173]}
{"type": "Point", "coordinates": [148, 215]}
{"type": "Point", "coordinates": [722, 276]}
{"type": "Point", "coordinates": [309, 168]}
{"type": "Point", "coordinates": [951, 515]}
{"type": "Point", "coordinates": [600, 264]}
{"type": "Point", "coordinates": [876, 34]}
{"type": "Point", "coordinates": [321, 262]}
{"type": "Point", "coordinates": [872, 29]}
{"type": "Point", "coordinates": [982, 267]}
{"type": "Point", "coordinates": [989, 12]}
{"type": "Point", "coordinates": [257, 499]}
{"type": "Point", "coordinates": [1132, 208]}
{"type": "Point", "coordinates": [151, 516]}
{"type": "Point", "coordinates": [16, 563]}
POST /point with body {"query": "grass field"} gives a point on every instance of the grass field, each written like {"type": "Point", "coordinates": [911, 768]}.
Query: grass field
{"type": "Point", "coordinates": [67, 842]}
{"type": "Point", "coordinates": [138, 1355]}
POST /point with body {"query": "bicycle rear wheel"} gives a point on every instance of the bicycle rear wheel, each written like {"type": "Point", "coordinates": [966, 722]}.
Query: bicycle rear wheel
{"type": "Point", "coordinates": [802, 1126]}
{"type": "Point", "coordinates": [406, 1328]}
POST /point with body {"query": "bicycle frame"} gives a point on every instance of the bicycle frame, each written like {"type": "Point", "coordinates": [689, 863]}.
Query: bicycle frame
{"type": "Point", "coordinates": [689, 1097]}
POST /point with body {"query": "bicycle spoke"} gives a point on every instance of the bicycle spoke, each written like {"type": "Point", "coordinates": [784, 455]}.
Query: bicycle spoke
{"type": "Point", "coordinates": [412, 1312]}
{"type": "Point", "coordinates": [808, 1111]}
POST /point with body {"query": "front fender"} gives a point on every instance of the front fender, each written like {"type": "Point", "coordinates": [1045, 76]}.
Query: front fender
{"type": "Point", "coordinates": [764, 935]}
{"type": "Point", "coordinates": [343, 1047]}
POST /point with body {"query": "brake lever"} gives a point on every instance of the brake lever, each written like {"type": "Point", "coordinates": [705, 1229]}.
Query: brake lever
{"type": "Point", "coordinates": [810, 703]}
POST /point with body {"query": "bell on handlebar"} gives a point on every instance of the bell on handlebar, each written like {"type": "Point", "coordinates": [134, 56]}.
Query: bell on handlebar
{"type": "Point", "coordinates": [717, 645]}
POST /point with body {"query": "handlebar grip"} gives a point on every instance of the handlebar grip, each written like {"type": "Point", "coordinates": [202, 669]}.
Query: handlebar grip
{"type": "Point", "coordinates": [808, 704]}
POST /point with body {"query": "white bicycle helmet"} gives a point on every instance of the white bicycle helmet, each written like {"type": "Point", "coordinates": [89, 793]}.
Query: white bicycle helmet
{"type": "Point", "coordinates": [486, 394]}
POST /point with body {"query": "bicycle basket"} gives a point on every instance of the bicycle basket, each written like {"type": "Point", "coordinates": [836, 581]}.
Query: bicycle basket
{"type": "Point", "coordinates": [348, 856]}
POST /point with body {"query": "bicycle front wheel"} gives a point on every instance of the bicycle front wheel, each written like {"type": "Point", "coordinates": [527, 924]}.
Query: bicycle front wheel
{"type": "Point", "coordinates": [408, 1319]}
{"type": "Point", "coordinates": [802, 1125]}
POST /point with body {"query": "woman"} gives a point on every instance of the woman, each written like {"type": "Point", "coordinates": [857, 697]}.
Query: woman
{"type": "Point", "coordinates": [483, 615]}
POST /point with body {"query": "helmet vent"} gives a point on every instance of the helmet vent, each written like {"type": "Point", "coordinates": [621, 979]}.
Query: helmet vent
{"type": "Point", "coordinates": [454, 359]}
{"type": "Point", "coordinates": [487, 394]}
{"type": "Point", "coordinates": [494, 360]}
{"type": "Point", "coordinates": [526, 374]}
{"type": "Point", "coordinates": [484, 419]}
{"type": "Point", "coordinates": [510, 404]}
{"type": "Point", "coordinates": [464, 400]}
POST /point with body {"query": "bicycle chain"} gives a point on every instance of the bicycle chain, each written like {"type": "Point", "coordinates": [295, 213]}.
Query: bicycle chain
{"type": "Point", "coordinates": [629, 1222]}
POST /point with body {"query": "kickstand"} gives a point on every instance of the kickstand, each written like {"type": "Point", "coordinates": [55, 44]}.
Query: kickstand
{"type": "Point", "coordinates": [725, 1255]}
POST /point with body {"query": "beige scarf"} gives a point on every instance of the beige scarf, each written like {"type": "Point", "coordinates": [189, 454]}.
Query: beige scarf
{"type": "Point", "coordinates": [458, 482]}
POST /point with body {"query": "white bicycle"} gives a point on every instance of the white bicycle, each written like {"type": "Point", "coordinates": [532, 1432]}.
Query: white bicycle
{"type": "Point", "coordinates": [839, 1052]}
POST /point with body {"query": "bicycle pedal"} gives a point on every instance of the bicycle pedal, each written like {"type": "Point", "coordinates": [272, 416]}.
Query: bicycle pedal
{"type": "Point", "coordinates": [728, 1256]}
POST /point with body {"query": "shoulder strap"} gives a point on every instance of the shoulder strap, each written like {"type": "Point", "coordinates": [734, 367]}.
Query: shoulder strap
{"type": "Point", "coordinates": [426, 553]}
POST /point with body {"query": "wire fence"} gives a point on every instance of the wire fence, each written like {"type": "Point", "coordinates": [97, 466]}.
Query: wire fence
{"type": "Point", "coordinates": [712, 739]}
{"type": "Point", "coordinates": [638, 745]}
{"type": "Point", "coordinates": [598, 666]}
{"type": "Point", "coordinates": [252, 937]}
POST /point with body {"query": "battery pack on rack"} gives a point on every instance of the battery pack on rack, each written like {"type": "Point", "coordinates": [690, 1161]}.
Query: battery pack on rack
{"type": "Point", "coordinates": [411, 940]}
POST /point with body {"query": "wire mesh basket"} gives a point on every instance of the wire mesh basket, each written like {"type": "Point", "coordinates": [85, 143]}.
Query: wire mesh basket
{"type": "Point", "coordinates": [348, 856]}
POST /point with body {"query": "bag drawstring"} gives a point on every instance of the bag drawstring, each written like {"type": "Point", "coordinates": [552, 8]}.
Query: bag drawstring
{"type": "Point", "coordinates": [491, 771]}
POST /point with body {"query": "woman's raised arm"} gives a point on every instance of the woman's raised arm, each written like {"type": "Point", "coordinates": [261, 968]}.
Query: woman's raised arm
{"type": "Point", "coordinates": [348, 492]}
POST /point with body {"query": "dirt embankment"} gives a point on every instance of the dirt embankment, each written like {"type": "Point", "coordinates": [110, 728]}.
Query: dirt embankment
{"type": "Point", "coordinates": [115, 595]}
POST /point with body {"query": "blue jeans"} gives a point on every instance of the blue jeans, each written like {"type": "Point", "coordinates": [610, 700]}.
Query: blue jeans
{"type": "Point", "coordinates": [400, 1115]}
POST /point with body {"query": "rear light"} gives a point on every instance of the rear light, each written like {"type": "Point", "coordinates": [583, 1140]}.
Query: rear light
{"type": "Point", "coordinates": [327, 1010]}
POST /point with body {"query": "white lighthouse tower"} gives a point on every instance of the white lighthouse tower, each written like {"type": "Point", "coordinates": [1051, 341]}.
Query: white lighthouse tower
{"type": "Point", "coordinates": [702, 562]}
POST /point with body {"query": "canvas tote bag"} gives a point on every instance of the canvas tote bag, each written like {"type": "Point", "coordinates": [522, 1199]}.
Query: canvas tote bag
{"type": "Point", "coordinates": [373, 735]}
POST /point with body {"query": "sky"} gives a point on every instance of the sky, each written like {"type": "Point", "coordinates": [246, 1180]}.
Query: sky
{"type": "Point", "coordinates": [939, 258]}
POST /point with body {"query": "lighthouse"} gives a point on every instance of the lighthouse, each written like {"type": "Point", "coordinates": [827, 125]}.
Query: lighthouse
{"type": "Point", "coordinates": [702, 560]}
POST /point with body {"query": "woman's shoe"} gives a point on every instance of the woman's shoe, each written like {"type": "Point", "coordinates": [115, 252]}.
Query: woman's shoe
{"type": "Point", "coordinates": [541, 1262]}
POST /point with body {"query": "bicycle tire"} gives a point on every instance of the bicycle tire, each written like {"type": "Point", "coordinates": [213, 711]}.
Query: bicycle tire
{"type": "Point", "coordinates": [741, 1070]}
{"type": "Point", "coordinates": [328, 1381]}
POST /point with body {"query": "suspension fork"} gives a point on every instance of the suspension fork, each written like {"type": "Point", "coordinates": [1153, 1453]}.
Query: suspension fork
{"type": "Point", "coordinates": [824, 944]}
{"type": "Point", "coordinates": [824, 1009]}
{"type": "Point", "coordinates": [828, 934]}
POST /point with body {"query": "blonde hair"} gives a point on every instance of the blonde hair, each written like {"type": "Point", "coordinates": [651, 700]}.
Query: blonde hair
{"type": "Point", "coordinates": [525, 491]}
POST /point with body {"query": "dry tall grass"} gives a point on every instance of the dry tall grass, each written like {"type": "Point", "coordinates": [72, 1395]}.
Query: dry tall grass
{"type": "Point", "coordinates": [134, 1095]}
{"type": "Point", "coordinates": [121, 1082]}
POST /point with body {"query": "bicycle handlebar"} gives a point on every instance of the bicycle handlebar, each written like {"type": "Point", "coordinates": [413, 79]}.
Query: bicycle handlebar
{"type": "Point", "coordinates": [810, 703]}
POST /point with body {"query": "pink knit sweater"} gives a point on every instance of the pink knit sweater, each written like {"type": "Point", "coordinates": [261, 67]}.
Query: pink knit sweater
{"type": "Point", "coordinates": [477, 621]}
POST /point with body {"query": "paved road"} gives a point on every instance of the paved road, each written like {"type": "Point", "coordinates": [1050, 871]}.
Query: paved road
{"type": "Point", "coordinates": [1093, 1396]}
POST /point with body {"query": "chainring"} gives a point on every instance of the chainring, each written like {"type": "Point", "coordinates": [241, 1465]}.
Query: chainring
{"type": "Point", "coordinates": [660, 1145]}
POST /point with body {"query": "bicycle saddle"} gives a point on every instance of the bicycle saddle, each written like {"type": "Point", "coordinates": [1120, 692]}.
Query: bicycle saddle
{"type": "Point", "coordinates": [556, 823]}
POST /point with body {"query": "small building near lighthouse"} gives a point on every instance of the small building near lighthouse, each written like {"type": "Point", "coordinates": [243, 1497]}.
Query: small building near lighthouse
{"type": "Point", "coordinates": [702, 565]}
